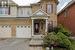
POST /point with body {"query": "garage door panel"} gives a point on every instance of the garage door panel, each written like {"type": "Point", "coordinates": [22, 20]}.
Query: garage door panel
{"type": "Point", "coordinates": [23, 31]}
{"type": "Point", "coordinates": [29, 30]}
{"type": "Point", "coordinates": [5, 31]}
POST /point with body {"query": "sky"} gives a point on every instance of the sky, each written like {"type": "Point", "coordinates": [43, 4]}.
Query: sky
{"type": "Point", "coordinates": [62, 3]}
{"type": "Point", "coordinates": [25, 2]}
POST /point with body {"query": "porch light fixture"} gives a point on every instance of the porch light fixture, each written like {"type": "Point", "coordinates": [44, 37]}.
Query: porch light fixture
{"type": "Point", "coordinates": [47, 48]}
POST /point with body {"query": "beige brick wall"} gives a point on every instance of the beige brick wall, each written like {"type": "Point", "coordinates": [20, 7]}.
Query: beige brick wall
{"type": "Point", "coordinates": [14, 22]}
{"type": "Point", "coordinates": [53, 16]}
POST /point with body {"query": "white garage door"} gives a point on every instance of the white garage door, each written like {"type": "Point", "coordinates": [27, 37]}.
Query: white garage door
{"type": "Point", "coordinates": [23, 31]}
{"type": "Point", "coordinates": [5, 31]}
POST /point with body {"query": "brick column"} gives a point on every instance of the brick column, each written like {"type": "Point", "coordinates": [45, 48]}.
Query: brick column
{"type": "Point", "coordinates": [13, 31]}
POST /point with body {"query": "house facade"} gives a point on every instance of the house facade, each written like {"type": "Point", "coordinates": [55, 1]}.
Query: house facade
{"type": "Point", "coordinates": [28, 22]}
{"type": "Point", "coordinates": [66, 17]}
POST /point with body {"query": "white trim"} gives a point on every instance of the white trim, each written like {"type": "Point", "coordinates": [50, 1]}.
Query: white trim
{"type": "Point", "coordinates": [39, 18]}
{"type": "Point", "coordinates": [41, 11]}
{"type": "Point", "coordinates": [46, 25]}
{"type": "Point", "coordinates": [32, 27]}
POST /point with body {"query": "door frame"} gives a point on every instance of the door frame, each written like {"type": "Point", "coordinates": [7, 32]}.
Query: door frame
{"type": "Point", "coordinates": [33, 26]}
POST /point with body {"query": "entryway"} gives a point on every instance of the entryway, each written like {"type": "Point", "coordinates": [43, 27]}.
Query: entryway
{"type": "Point", "coordinates": [39, 26]}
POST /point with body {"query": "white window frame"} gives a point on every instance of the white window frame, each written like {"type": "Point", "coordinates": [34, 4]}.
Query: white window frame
{"type": "Point", "coordinates": [49, 8]}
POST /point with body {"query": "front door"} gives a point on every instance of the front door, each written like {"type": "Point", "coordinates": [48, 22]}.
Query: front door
{"type": "Point", "coordinates": [39, 26]}
{"type": "Point", "coordinates": [36, 28]}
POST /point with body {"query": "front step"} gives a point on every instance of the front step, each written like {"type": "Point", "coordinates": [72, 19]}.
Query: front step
{"type": "Point", "coordinates": [37, 40]}
{"type": "Point", "coordinates": [37, 37]}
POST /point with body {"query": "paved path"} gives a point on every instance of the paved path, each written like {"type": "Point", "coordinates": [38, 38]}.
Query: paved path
{"type": "Point", "coordinates": [14, 44]}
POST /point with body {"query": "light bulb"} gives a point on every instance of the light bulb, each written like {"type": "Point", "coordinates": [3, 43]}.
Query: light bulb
{"type": "Point", "coordinates": [5, 2]}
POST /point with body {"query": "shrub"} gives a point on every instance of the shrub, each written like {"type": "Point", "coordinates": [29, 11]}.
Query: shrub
{"type": "Point", "coordinates": [63, 40]}
{"type": "Point", "coordinates": [59, 37]}
{"type": "Point", "coordinates": [50, 39]}
{"type": "Point", "coordinates": [62, 29]}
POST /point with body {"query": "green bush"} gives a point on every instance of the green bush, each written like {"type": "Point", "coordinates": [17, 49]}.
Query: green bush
{"type": "Point", "coordinates": [63, 40]}
{"type": "Point", "coordinates": [62, 29]}
{"type": "Point", "coordinates": [50, 39]}
{"type": "Point", "coordinates": [59, 37]}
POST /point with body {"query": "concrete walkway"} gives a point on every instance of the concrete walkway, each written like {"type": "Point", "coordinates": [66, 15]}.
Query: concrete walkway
{"type": "Point", "coordinates": [14, 44]}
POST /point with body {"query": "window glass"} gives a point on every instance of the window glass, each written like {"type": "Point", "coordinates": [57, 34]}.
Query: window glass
{"type": "Point", "coordinates": [4, 8]}
{"type": "Point", "coordinates": [25, 26]}
{"type": "Point", "coordinates": [49, 8]}
{"type": "Point", "coordinates": [21, 26]}
{"type": "Point", "coordinates": [18, 26]}
{"type": "Point", "coordinates": [28, 26]}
